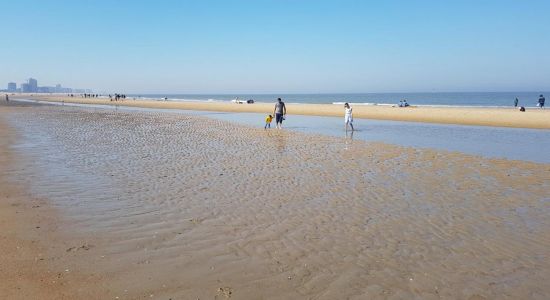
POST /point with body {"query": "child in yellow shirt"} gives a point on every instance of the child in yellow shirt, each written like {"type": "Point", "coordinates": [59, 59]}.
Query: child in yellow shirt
{"type": "Point", "coordinates": [268, 121]}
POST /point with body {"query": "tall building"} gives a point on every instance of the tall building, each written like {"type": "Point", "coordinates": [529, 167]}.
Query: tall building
{"type": "Point", "coordinates": [33, 85]}
{"type": "Point", "coordinates": [46, 89]}
{"type": "Point", "coordinates": [25, 88]}
{"type": "Point", "coordinates": [12, 87]}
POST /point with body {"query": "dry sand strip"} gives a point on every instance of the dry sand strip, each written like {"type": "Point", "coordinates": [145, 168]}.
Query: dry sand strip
{"type": "Point", "coordinates": [499, 117]}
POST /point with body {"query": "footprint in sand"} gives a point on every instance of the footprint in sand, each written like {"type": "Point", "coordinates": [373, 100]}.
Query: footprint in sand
{"type": "Point", "coordinates": [83, 247]}
{"type": "Point", "coordinates": [225, 291]}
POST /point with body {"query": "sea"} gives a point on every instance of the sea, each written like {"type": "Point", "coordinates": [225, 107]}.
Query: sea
{"type": "Point", "coordinates": [462, 99]}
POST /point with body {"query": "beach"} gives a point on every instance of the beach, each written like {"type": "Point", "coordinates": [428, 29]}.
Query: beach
{"type": "Point", "coordinates": [500, 117]}
{"type": "Point", "coordinates": [105, 204]}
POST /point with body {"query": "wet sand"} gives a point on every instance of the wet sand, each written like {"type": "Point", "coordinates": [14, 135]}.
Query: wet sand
{"type": "Point", "coordinates": [159, 205]}
{"type": "Point", "coordinates": [500, 117]}
{"type": "Point", "coordinates": [33, 239]}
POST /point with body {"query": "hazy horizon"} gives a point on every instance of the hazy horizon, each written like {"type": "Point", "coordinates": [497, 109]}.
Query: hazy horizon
{"type": "Point", "coordinates": [145, 93]}
{"type": "Point", "coordinates": [332, 92]}
{"type": "Point", "coordinates": [278, 47]}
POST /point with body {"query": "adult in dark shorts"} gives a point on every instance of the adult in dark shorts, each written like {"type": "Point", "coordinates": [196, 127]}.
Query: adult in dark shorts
{"type": "Point", "coordinates": [541, 101]}
{"type": "Point", "coordinates": [280, 113]}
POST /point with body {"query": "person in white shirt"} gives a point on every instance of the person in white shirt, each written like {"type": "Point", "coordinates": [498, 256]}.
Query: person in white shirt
{"type": "Point", "coordinates": [348, 117]}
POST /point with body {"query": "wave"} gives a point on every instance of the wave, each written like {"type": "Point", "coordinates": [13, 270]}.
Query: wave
{"type": "Point", "coordinates": [178, 99]}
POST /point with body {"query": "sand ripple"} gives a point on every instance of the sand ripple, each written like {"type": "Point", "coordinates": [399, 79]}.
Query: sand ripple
{"type": "Point", "coordinates": [190, 207]}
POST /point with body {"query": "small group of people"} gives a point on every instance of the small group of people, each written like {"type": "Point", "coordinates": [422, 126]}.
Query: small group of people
{"type": "Point", "coordinates": [117, 97]}
{"type": "Point", "coordinates": [90, 95]}
{"type": "Point", "coordinates": [403, 103]}
{"type": "Point", "coordinates": [540, 103]}
{"type": "Point", "coordinates": [279, 112]}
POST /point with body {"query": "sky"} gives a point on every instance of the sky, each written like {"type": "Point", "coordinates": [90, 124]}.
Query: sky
{"type": "Point", "coordinates": [278, 46]}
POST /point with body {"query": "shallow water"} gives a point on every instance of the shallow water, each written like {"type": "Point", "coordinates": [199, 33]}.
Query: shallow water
{"type": "Point", "coordinates": [493, 142]}
{"type": "Point", "coordinates": [490, 142]}
{"type": "Point", "coordinates": [188, 205]}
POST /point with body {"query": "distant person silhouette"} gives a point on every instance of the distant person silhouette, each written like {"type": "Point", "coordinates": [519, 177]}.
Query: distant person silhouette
{"type": "Point", "coordinates": [541, 101]}
{"type": "Point", "coordinates": [516, 102]}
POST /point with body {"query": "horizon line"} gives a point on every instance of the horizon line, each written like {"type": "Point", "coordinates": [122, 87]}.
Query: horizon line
{"type": "Point", "coordinates": [330, 93]}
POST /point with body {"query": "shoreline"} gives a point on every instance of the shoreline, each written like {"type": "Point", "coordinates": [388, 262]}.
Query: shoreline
{"type": "Point", "coordinates": [34, 259]}
{"type": "Point", "coordinates": [497, 117]}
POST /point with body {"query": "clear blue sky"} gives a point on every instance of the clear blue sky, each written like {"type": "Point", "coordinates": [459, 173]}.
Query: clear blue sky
{"type": "Point", "coordinates": [279, 46]}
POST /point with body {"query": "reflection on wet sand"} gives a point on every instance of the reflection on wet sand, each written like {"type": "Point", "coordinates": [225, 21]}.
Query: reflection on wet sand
{"type": "Point", "coordinates": [348, 139]}
{"type": "Point", "coordinates": [278, 138]}
{"type": "Point", "coordinates": [189, 207]}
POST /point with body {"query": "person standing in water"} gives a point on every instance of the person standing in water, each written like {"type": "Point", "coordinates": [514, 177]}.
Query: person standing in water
{"type": "Point", "coordinates": [268, 121]}
{"type": "Point", "coordinates": [280, 113]}
{"type": "Point", "coordinates": [348, 116]}
{"type": "Point", "coordinates": [7, 98]}
{"type": "Point", "coordinates": [516, 102]}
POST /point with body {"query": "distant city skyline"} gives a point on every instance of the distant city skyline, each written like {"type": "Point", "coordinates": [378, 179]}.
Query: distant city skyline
{"type": "Point", "coordinates": [268, 46]}
{"type": "Point", "coordinates": [31, 86]}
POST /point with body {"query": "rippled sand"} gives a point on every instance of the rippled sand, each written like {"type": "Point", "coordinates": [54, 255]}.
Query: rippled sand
{"type": "Point", "coordinates": [156, 205]}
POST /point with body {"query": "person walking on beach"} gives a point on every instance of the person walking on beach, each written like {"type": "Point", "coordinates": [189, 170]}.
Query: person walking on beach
{"type": "Point", "coordinates": [348, 117]}
{"type": "Point", "coordinates": [268, 120]}
{"type": "Point", "coordinates": [280, 113]}
{"type": "Point", "coordinates": [516, 102]}
{"type": "Point", "coordinates": [541, 101]}
{"type": "Point", "coordinates": [7, 98]}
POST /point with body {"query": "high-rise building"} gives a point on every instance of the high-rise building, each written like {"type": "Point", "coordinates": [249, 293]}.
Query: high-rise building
{"type": "Point", "coordinates": [33, 85]}
{"type": "Point", "coordinates": [25, 88]}
{"type": "Point", "coordinates": [12, 87]}
{"type": "Point", "coordinates": [46, 89]}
